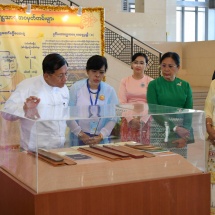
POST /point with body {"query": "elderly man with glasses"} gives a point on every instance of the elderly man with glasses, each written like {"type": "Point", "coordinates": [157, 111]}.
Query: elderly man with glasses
{"type": "Point", "coordinates": [32, 95]}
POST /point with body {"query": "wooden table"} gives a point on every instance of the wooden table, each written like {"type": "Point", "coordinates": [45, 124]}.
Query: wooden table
{"type": "Point", "coordinates": [162, 185]}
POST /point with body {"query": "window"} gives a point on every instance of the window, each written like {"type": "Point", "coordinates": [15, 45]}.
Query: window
{"type": "Point", "coordinates": [179, 24]}
{"type": "Point", "coordinates": [189, 24]}
{"type": "Point", "coordinates": [131, 7]}
{"type": "Point", "coordinates": [128, 6]}
{"type": "Point", "coordinates": [194, 21]}
{"type": "Point", "coordinates": [201, 24]}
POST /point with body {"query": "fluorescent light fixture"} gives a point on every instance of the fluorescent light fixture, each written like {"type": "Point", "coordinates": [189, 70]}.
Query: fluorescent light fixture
{"type": "Point", "coordinates": [79, 13]}
{"type": "Point", "coordinates": [28, 10]}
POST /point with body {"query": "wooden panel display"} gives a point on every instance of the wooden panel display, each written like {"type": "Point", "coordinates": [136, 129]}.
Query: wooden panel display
{"type": "Point", "coordinates": [185, 195]}
{"type": "Point", "coordinates": [166, 184]}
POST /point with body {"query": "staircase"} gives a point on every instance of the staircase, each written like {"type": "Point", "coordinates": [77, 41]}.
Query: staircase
{"type": "Point", "coordinates": [199, 96]}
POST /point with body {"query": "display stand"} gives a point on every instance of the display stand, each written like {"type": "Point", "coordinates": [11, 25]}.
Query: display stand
{"type": "Point", "coordinates": [168, 183]}
{"type": "Point", "coordinates": [159, 185]}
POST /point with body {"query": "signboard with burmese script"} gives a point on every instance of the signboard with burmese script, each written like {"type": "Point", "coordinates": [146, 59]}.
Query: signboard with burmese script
{"type": "Point", "coordinates": [25, 39]}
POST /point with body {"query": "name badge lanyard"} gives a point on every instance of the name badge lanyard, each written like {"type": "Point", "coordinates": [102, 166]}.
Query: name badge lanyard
{"type": "Point", "coordinates": [97, 93]}
{"type": "Point", "coordinates": [93, 124]}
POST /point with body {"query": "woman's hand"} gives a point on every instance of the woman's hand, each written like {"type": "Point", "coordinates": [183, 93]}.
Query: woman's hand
{"type": "Point", "coordinates": [135, 124]}
{"type": "Point", "coordinates": [180, 143]}
{"type": "Point", "coordinates": [95, 140]}
{"type": "Point", "coordinates": [182, 132]}
{"type": "Point", "coordinates": [211, 136]}
{"type": "Point", "coordinates": [210, 130]}
{"type": "Point", "coordinates": [90, 140]}
{"type": "Point", "coordinates": [84, 137]}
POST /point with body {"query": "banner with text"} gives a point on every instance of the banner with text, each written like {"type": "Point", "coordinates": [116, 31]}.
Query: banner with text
{"type": "Point", "coordinates": [25, 39]}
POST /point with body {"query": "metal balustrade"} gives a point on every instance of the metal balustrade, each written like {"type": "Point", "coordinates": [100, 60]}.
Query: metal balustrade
{"type": "Point", "coordinates": [122, 46]}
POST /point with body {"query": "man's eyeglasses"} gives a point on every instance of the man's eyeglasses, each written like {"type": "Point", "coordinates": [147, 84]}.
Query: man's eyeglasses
{"type": "Point", "coordinates": [164, 66]}
{"type": "Point", "coordinates": [61, 76]}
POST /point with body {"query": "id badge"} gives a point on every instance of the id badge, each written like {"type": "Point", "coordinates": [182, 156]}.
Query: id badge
{"type": "Point", "coordinates": [94, 111]}
{"type": "Point", "coordinates": [93, 126]}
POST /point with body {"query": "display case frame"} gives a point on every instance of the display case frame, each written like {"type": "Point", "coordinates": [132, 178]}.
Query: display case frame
{"type": "Point", "coordinates": [97, 185]}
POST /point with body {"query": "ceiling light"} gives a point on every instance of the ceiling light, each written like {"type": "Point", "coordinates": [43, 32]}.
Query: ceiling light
{"type": "Point", "coordinates": [79, 13]}
{"type": "Point", "coordinates": [28, 10]}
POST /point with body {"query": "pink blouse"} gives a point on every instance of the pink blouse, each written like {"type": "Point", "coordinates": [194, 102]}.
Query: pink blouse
{"type": "Point", "coordinates": [132, 90]}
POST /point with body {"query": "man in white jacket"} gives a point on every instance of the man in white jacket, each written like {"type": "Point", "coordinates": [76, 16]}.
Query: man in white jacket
{"type": "Point", "coordinates": [32, 95]}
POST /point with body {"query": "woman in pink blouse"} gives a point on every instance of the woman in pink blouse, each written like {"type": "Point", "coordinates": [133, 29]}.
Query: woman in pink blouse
{"type": "Point", "coordinates": [133, 90]}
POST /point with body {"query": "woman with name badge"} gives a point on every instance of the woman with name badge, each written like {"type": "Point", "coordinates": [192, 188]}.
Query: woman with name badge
{"type": "Point", "coordinates": [92, 97]}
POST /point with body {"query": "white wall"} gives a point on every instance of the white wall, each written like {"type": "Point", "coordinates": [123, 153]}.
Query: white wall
{"type": "Point", "coordinates": [199, 61]}
{"type": "Point", "coordinates": [171, 20]}
{"type": "Point", "coordinates": [139, 6]}
{"type": "Point", "coordinates": [117, 70]}
{"type": "Point", "coordinates": [152, 25]}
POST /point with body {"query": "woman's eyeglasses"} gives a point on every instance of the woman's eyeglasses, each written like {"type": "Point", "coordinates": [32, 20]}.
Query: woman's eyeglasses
{"type": "Point", "coordinates": [170, 66]}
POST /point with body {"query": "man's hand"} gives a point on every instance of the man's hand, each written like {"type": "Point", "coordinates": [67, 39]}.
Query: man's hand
{"type": "Point", "coordinates": [32, 113]}
{"type": "Point", "coordinates": [31, 102]}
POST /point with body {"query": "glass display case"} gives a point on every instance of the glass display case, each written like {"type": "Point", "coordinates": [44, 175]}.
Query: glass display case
{"type": "Point", "coordinates": [56, 148]}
